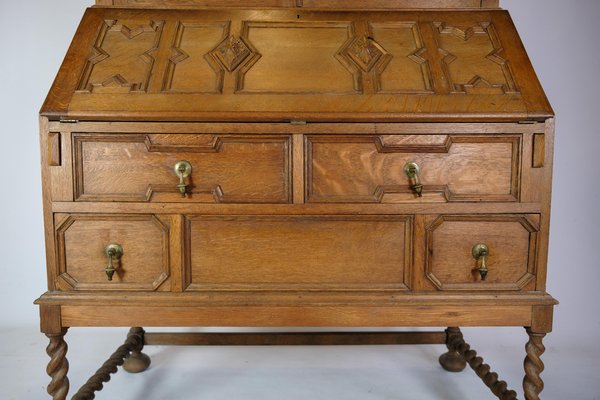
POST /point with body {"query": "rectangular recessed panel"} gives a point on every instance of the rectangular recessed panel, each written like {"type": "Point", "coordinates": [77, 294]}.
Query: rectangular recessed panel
{"type": "Point", "coordinates": [299, 252]}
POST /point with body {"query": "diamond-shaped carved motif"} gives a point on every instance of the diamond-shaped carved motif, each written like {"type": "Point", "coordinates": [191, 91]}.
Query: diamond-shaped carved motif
{"type": "Point", "coordinates": [365, 52]}
{"type": "Point", "coordinates": [231, 53]}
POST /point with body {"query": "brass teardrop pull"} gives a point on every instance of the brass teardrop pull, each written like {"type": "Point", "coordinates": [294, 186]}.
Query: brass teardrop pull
{"type": "Point", "coordinates": [412, 171]}
{"type": "Point", "coordinates": [480, 253]}
{"type": "Point", "coordinates": [182, 169]}
{"type": "Point", "coordinates": [114, 252]}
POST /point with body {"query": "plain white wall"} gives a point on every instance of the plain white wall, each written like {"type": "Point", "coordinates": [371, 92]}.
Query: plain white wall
{"type": "Point", "coordinates": [562, 39]}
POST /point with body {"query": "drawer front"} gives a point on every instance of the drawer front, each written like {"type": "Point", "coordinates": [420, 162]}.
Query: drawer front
{"type": "Point", "coordinates": [141, 168]}
{"type": "Point", "coordinates": [371, 168]}
{"type": "Point", "coordinates": [453, 264]}
{"type": "Point", "coordinates": [299, 253]}
{"type": "Point", "coordinates": [82, 242]}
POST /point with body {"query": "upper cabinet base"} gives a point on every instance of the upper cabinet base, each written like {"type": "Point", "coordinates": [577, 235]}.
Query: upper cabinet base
{"type": "Point", "coordinates": [323, 4]}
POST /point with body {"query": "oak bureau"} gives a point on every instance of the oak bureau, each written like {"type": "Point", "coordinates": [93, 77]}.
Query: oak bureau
{"type": "Point", "coordinates": [289, 163]}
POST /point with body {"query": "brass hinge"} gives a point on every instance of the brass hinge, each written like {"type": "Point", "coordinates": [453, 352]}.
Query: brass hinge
{"type": "Point", "coordinates": [69, 121]}
{"type": "Point", "coordinates": [297, 122]}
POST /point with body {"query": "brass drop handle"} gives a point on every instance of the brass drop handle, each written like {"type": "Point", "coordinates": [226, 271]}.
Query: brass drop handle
{"type": "Point", "coordinates": [480, 253]}
{"type": "Point", "coordinates": [113, 252]}
{"type": "Point", "coordinates": [183, 169]}
{"type": "Point", "coordinates": [412, 171]}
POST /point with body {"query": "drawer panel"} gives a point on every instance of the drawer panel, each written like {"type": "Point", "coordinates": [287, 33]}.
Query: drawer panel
{"type": "Point", "coordinates": [82, 242]}
{"type": "Point", "coordinates": [299, 252]}
{"type": "Point", "coordinates": [511, 241]}
{"type": "Point", "coordinates": [140, 168]}
{"type": "Point", "coordinates": [371, 168]}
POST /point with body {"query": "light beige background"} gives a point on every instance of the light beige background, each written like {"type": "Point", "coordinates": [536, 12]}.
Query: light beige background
{"type": "Point", "coordinates": [563, 40]}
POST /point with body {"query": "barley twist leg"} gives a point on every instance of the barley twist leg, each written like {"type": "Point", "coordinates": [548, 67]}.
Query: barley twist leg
{"type": "Point", "coordinates": [58, 367]}
{"type": "Point", "coordinates": [533, 384]}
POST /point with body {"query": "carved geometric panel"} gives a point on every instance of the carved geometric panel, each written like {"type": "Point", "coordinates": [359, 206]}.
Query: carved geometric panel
{"type": "Point", "coordinates": [359, 253]}
{"type": "Point", "coordinates": [370, 169]}
{"type": "Point", "coordinates": [473, 59]}
{"type": "Point", "coordinates": [191, 68]}
{"type": "Point", "coordinates": [511, 240]}
{"type": "Point", "coordinates": [122, 57]}
{"type": "Point", "coordinates": [404, 70]}
{"type": "Point", "coordinates": [299, 58]}
{"type": "Point", "coordinates": [81, 243]}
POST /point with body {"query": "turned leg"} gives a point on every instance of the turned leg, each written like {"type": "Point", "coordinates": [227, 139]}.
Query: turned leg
{"type": "Point", "coordinates": [453, 361]}
{"type": "Point", "coordinates": [137, 361]}
{"type": "Point", "coordinates": [533, 384]}
{"type": "Point", "coordinates": [58, 366]}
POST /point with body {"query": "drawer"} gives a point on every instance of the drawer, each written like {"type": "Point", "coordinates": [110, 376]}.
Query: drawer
{"type": "Point", "coordinates": [359, 253]}
{"type": "Point", "coordinates": [371, 168]}
{"type": "Point", "coordinates": [82, 243]}
{"type": "Point", "coordinates": [141, 168]}
{"type": "Point", "coordinates": [453, 262]}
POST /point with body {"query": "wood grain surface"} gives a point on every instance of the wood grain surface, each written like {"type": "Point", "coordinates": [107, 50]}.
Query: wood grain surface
{"type": "Point", "coordinates": [282, 65]}
{"type": "Point", "coordinates": [370, 169]}
{"type": "Point", "coordinates": [298, 118]}
{"type": "Point", "coordinates": [299, 252]}
{"type": "Point", "coordinates": [225, 169]}
{"type": "Point", "coordinates": [511, 240]}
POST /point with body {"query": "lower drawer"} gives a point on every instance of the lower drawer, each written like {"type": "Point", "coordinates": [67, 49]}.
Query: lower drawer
{"type": "Point", "coordinates": [481, 252]}
{"type": "Point", "coordinates": [112, 252]}
{"type": "Point", "coordinates": [298, 253]}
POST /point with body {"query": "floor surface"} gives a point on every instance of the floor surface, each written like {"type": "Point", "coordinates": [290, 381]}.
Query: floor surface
{"type": "Point", "coordinates": [291, 373]}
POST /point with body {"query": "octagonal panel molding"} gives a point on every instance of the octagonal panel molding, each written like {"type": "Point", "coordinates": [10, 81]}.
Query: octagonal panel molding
{"type": "Point", "coordinates": [512, 243]}
{"type": "Point", "coordinates": [81, 241]}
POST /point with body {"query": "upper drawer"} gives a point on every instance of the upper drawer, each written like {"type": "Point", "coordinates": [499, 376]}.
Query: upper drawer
{"type": "Point", "coordinates": [141, 167]}
{"type": "Point", "coordinates": [373, 168]}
